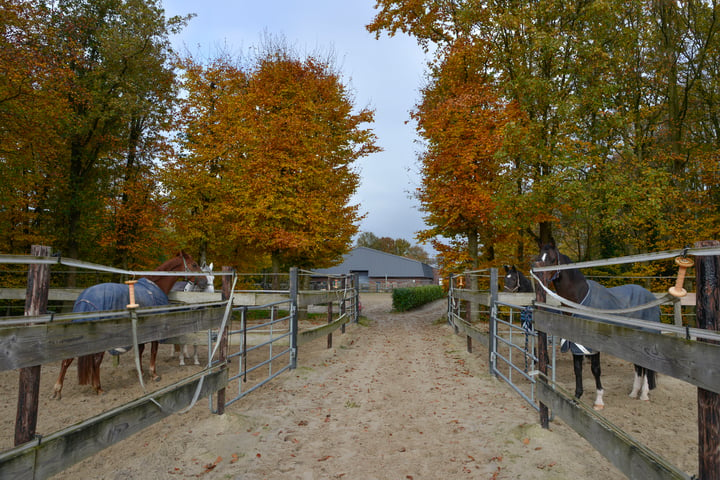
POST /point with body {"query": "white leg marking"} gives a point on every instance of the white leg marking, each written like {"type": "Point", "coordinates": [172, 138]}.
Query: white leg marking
{"type": "Point", "coordinates": [599, 405]}
{"type": "Point", "coordinates": [637, 383]}
{"type": "Point", "coordinates": [645, 389]}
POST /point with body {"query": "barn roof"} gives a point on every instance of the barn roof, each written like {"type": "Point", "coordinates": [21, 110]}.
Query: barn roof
{"type": "Point", "coordinates": [378, 264]}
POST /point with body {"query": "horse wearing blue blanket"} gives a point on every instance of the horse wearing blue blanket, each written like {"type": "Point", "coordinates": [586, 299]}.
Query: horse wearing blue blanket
{"type": "Point", "coordinates": [150, 291]}
{"type": "Point", "coordinates": [572, 285]}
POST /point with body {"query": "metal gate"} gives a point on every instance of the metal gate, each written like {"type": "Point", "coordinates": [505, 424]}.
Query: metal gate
{"type": "Point", "coordinates": [513, 342]}
{"type": "Point", "coordinates": [511, 339]}
{"type": "Point", "coordinates": [259, 349]}
{"type": "Point", "coordinates": [263, 332]}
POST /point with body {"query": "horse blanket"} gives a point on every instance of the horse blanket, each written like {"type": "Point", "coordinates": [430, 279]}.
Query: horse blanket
{"type": "Point", "coordinates": [116, 296]}
{"type": "Point", "coordinates": [614, 298]}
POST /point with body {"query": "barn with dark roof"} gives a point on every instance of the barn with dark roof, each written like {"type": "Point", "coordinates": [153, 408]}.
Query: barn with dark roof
{"type": "Point", "coordinates": [380, 270]}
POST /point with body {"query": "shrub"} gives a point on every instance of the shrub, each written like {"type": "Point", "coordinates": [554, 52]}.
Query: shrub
{"type": "Point", "coordinates": [404, 299]}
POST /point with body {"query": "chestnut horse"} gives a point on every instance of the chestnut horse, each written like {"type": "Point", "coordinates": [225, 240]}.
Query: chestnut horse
{"type": "Point", "coordinates": [149, 291]}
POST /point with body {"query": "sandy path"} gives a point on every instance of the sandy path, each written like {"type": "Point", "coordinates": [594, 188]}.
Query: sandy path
{"type": "Point", "coordinates": [398, 399]}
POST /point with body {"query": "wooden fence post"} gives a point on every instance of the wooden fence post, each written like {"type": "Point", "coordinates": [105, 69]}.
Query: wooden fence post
{"type": "Point", "coordinates": [36, 298]}
{"type": "Point", "coordinates": [471, 283]}
{"type": "Point", "coordinates": [223, 337]}
{"type": "Point", "coordinates": [543, 359]}
{"type": "Point", "coordinates": [707, 271]}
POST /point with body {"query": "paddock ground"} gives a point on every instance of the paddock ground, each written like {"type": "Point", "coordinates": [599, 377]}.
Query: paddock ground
{"type": "Point", "coordinates": [400, 398]}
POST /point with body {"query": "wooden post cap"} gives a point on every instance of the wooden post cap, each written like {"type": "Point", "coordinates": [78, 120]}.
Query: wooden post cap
{"type": "Point", "coordinates": [684, 263]}
{"type": "Point", "coordinates": [131, 287]}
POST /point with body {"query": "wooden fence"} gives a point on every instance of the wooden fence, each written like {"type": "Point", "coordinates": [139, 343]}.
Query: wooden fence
{"type": "Point", "coordinates": [688, 354]}
{"type": "Point", "coordinates": [38, 338]}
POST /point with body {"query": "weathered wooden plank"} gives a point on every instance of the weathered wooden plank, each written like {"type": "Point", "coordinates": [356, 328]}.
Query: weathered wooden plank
{"type": "Point", "coordinates": [519, 299]}
{"type": "Point", "coordinates": [633, 459]}
{"type": "Point", "coordinates": [24, 346]}
{"type": "Point", "coordinates": [194, 297]}
{"type": "Point", "coordinates": [482, 298]}
{"type": "Point", "coordinates": [55, 452]}
{"type": "Point", "coordinates": [259, 298]}
{"type": "Point", "coordinates": [309, 335]}
{"type": "Point", "coordinates": [694, 362]}
{"type": "Point", "coordinates": [464, 328]}
{"type": "Point", "coordinates": [247, 298]}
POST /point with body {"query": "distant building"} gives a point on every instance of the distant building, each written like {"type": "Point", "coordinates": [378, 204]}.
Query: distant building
{"type": "Point", "coordinates": [379, 270]}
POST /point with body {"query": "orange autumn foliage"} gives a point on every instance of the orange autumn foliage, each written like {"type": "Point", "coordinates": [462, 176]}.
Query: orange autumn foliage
{"type": "Point", "coordinates": [270, 149]}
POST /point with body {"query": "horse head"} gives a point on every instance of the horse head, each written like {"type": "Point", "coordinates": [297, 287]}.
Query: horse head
{"type": "Point", "coordinates": [550, 255]}
{"type": "Point", "coordinates": [190, 265]}
{"type": "Point", "coordinates": [513, 279]}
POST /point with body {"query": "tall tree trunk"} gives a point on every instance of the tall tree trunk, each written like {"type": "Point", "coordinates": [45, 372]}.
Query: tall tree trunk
{"type": "Point", "coordinates": [276, 264]}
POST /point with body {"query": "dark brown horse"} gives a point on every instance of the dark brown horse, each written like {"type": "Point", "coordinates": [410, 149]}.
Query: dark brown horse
{"type": "Point", "coordinates": [149, 291]}
{"type": "Point", "coordinates": [572, 285]}
{"type": "Point", "coordinates": [515, 281]}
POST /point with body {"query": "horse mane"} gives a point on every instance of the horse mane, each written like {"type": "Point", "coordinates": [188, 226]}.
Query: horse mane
{"type": "Point", "coordinates": [572, 279]}
{"type": "Point", "coordinates": [175, 263]}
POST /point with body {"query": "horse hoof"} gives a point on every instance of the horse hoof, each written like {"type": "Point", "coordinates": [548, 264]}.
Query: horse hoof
{"type": "Point", "coordinates": [56, 396]}
{"type": "Point", "coordinates": [598, 407]}
{"type": "Point", "coordinates": [157, 378]}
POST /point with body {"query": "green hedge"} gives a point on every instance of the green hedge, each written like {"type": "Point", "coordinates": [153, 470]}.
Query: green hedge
{"type": "Point", "coordinates": [404, 299]}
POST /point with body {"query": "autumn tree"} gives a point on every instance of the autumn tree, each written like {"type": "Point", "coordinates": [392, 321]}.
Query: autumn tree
{"type": "Point", "coordinates": [396, 246]}
{"type": "Point", "coordinates": [462, 122]}
{"type": "Point", "coordinates": [92, 95]}
{"type": "Point", "coordinates": [122, 86]}
{"type": "Point", "coordinates": [276, 157]}
{"type": "Point", "coordinates": [33, 113]}
{"type": "Point", "coordinates": [617, 101]}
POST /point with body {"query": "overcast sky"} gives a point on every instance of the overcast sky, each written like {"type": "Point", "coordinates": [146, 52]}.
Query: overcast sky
{"type": "Point", "coordinates": [384, 75]}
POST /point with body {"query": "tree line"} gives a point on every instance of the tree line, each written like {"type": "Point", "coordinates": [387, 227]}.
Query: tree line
{"type": "Point", "coordinates": [596, 124]}
{"type": "Point", "coordinates": [395, 246]}
{"type": "Point", "coordinates": [116, 149]}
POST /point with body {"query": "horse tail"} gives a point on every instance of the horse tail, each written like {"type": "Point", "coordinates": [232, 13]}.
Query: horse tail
{"type": "Point", "coordinates": [647, 373]}
{"type": "Point", "coordinates": [86, 369]}
{"type": "Point", "coordinates": [652, 381]}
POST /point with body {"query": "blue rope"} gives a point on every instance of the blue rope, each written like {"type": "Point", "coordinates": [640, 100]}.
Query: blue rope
{"type": "Point", "coordinates": [526, 322]}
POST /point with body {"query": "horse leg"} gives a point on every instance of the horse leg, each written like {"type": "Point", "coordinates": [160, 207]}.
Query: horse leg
{"type": "Point", "coordinates": [644, 382]}
{"type": "Point", "coordinates": [195, 356]}
{"type": "Point", "coordinates": [97, 360]}
{"type": "Point", "coordinates": [638, 381]}
{"type": "Point", "coordinates": [182, 352]}
{"type": "Point", "coordinates": [57, 389]}
{"type": "Point", "coordinates": [577, 367]}
{"type": "Point", "coordinates": [154, 346]}
{"type": "Point", "coordinates": [595, 368]}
